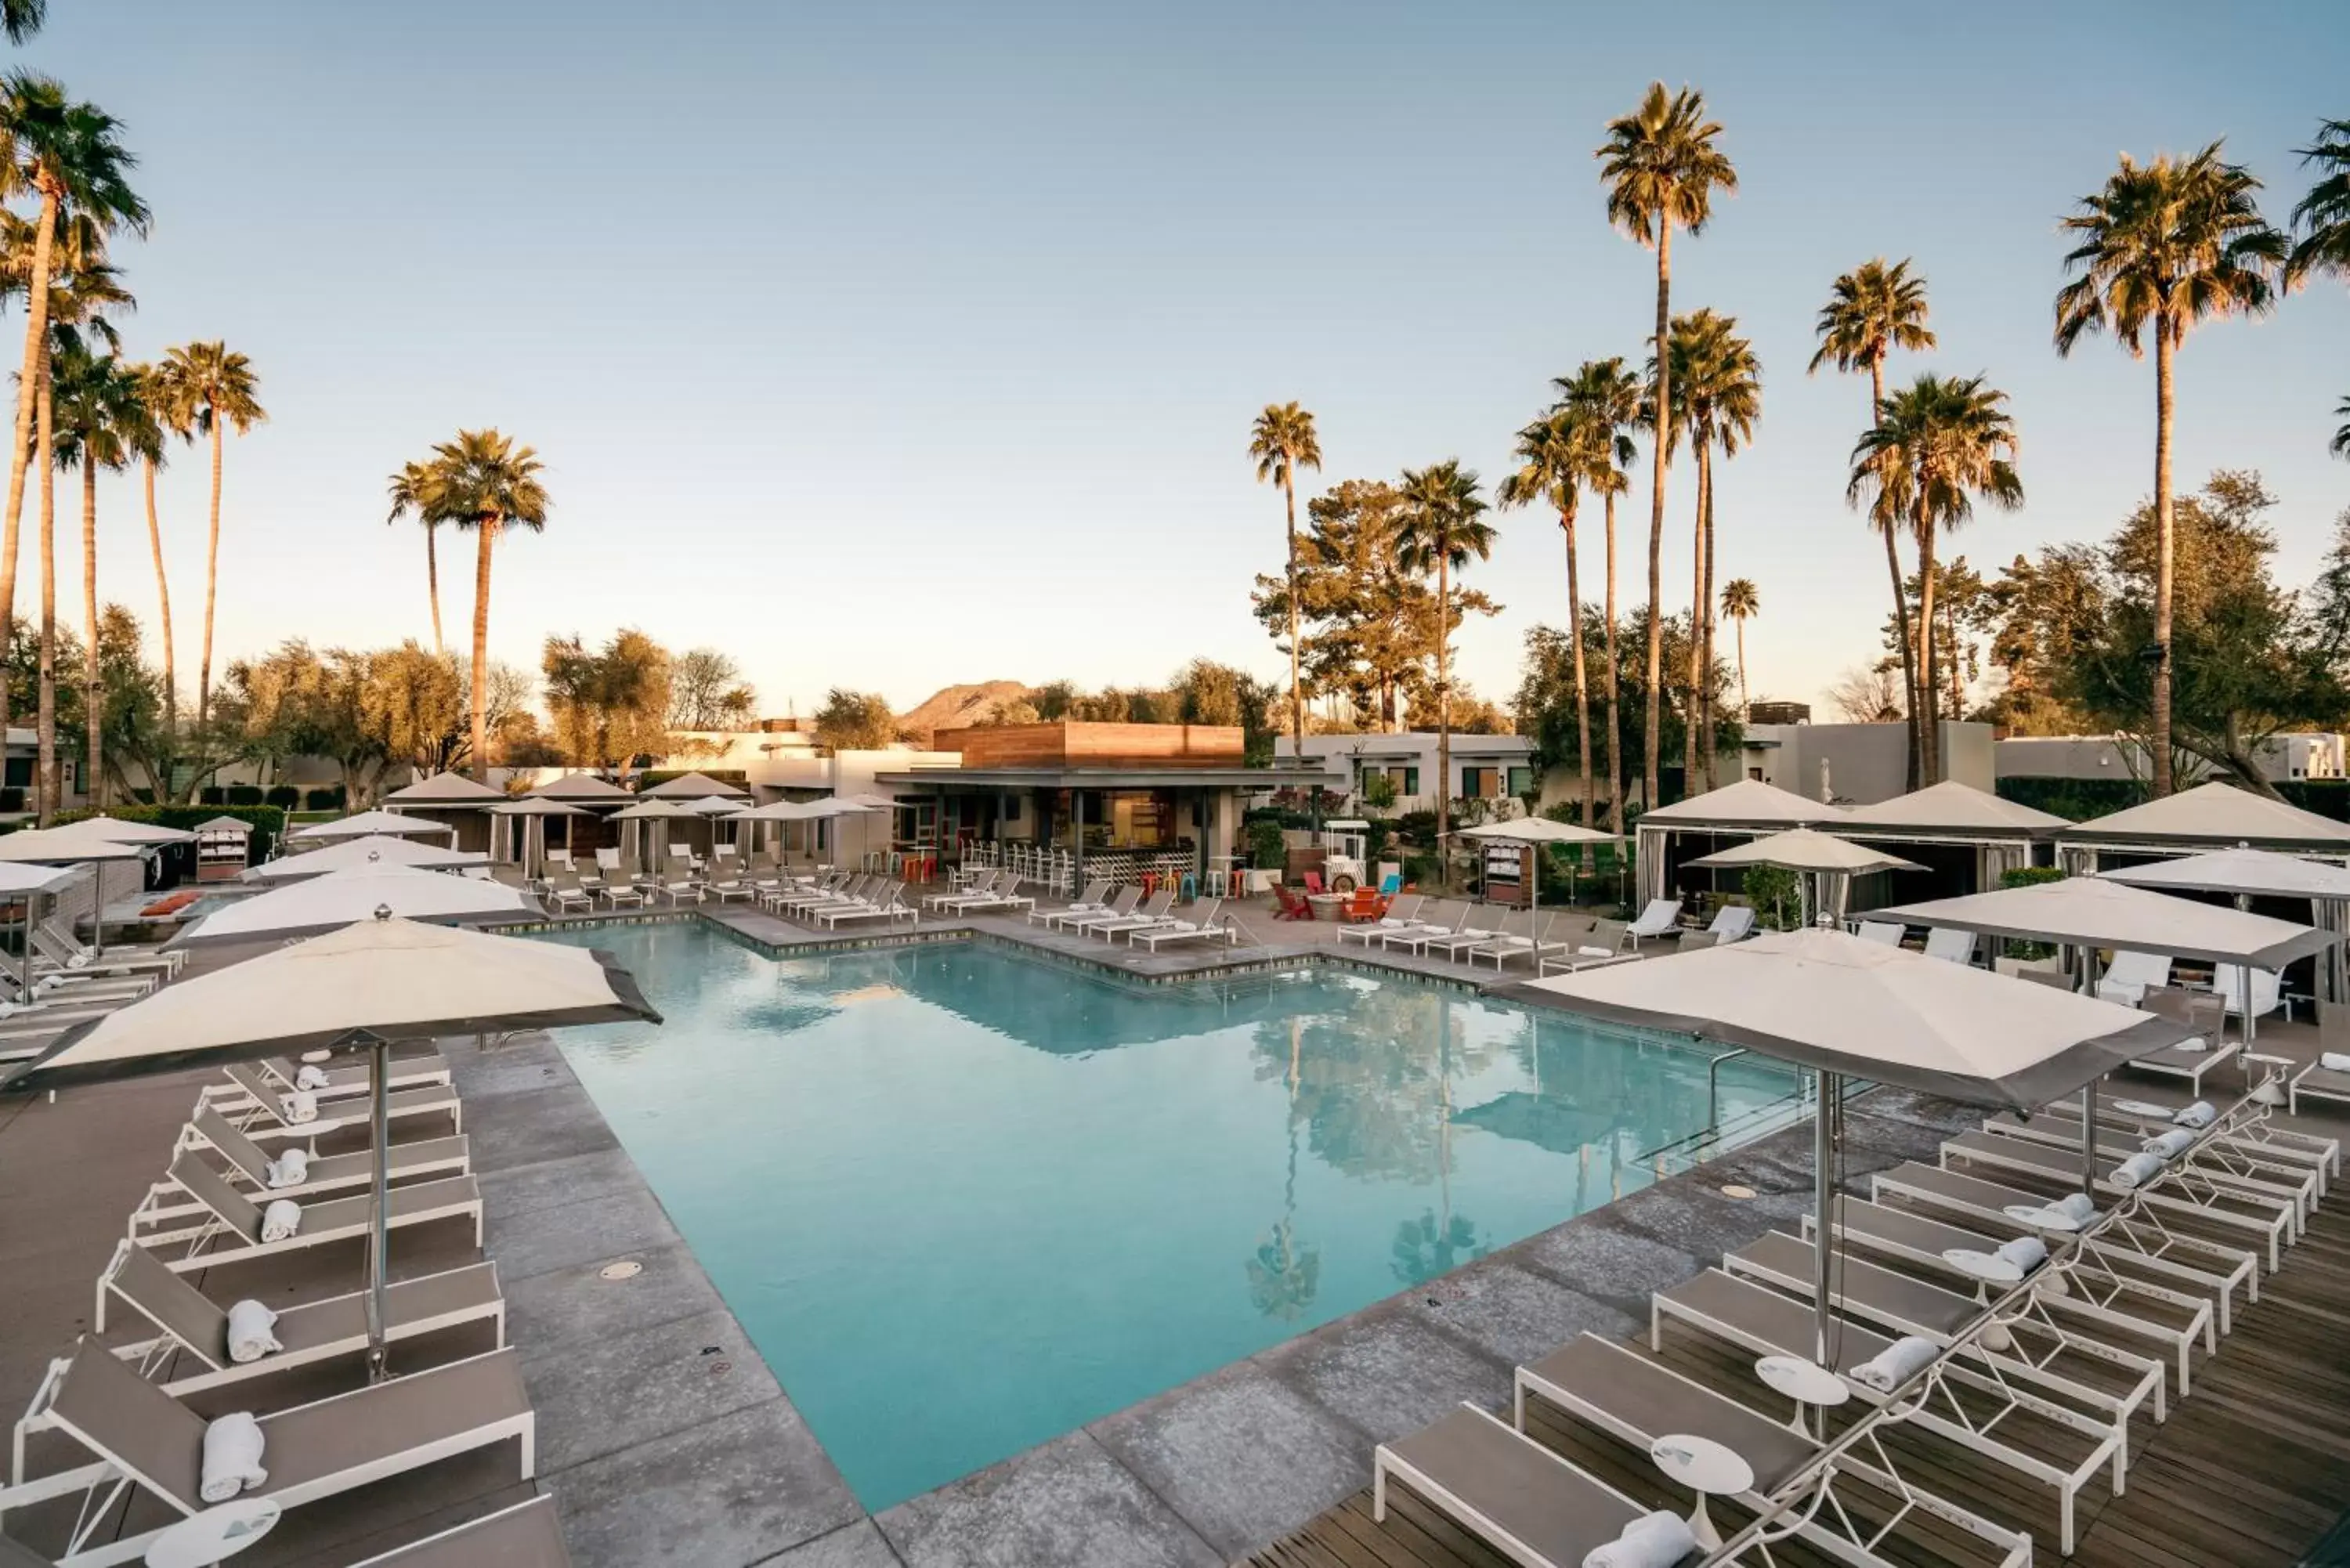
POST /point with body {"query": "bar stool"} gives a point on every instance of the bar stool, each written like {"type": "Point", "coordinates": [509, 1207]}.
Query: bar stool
{"type": "Point", "coordinates": [1190, 888]}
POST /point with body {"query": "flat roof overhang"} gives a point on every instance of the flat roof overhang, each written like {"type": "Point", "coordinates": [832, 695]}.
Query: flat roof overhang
{"type": "Point", "coordinates": [1104, 778]}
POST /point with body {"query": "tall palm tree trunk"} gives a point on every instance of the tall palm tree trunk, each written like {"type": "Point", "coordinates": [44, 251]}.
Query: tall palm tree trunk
{"type": "Point", "coordinates": [37, 334]}
{"type": "Point", "coordinates": [1745, 703]}
{"type": "Point", "coordinates": [93, 701]}
{"type": "Point", "coordinates": [1614, 689]}
{"type": "Point", "coordinates": [1444, 710]}
{"type": "Point", "coordinates": [212, 585]}
{"type": "Point", "coordinates": [1651, 737]}
{"type": "Point", "coordinates": [2162, 554]}
{"type": "Point", "coordinates": [1900, 593]}
{"type": "Point", "coordinates": [46, 765]}
{"type": "Point", "coordinates": [163, 593]}
{"type": "Point", "coordinates": [1929, 733]}
{"type": "Point", "coordinates": [489, 533]}
{"type": "Point", "coordinates": [1696, 639]}
{"type": "Point", "coordinates": [1705, 614]}
{"type": "Point", "coordinates": [1296, 688]}
{"type": "Point", "coordinates": [1958, 665]}
{"type": "Point", "coordinates": [1574, 640]}
{"type": "Point", "coordinates": [433, 584]}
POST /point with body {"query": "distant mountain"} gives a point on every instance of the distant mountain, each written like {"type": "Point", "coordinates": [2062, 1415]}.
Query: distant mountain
{"type": "Point", "coordinates": [954, 705]}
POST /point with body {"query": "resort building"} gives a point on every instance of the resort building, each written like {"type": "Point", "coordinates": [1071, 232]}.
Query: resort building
{"type": "Point", "coordinates": [1859, 764]}
{"type": "Point", "coordinates": [1484, 767]}
{"type": "Point", "coordinates": [2283, 758]}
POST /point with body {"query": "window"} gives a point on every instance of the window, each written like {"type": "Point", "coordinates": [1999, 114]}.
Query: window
{"type": "Point", "coordinates": [1411, 779]}
{"type": "Point", "coordinates": [1754, 773]}
{"type": "Point", "coordinates": [1012, 807]}
{"type": "Point", "coordinates": [1477, 784]}
{"type": "Point", "coordinates": [20, 773]}
{"type": "Point", "coordinates": [1522, 781]}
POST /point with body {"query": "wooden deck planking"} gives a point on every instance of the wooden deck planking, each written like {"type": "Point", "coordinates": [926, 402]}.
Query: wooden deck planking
{"type": "Point", "coordinates": [2251, 1469]}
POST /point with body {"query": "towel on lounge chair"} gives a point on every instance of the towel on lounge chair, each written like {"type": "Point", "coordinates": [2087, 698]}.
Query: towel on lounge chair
{"type": "Point", "coordinates": [2073, 1213]}
{"type": "Point", "coordinates": [2078, 1207]}
{"type": "Point", "coordinates": [232, 1457]}
{"type": "Point", "coordinates": [2136, 1171]}
{"type": "Point", "coordinates": [1895, 1364]}
{"type": "Point", "coordinates": [281, 1219]}
{"type": "Point", "coordinates": [309, 1076]}
{"type": "Point", "coordinates": [297, 1107]}
{"type": "Point", "coordinates": [1657, 1540]}
{"type": "Point", "coordinates": [2197, 1115]}
{"type": "Point", "coordinates": [291, 1168]}
{"type": "Point", "coordinates": [249, 1336]}
{"type": "Point", "coordinates": [2026, 1252]}
{"type": "Point", "coordinates": [2170, 1144]}
{"type": "Point", "coordinates": [2334, 1061]}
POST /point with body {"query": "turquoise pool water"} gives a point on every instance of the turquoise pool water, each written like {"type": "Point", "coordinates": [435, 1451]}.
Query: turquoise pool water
{"type": "Point", "coordinates": [964, 1200]}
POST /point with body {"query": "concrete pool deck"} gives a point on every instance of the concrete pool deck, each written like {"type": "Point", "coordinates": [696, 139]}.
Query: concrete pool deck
{"type": "Point", "coordinates": [664, 1436]}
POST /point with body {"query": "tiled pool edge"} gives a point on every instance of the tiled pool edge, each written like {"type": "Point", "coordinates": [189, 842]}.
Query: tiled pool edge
{"type": "Point", "coordinates": [1201, 1473]}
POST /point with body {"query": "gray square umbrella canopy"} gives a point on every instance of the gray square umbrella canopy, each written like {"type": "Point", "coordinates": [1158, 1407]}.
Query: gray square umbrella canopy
{"type": "Point", "coordinates": [1834, 1002]}
{"type": "Point", "coordinates": [317, 904]}
{"type": "Point", "coordinates": [2096, 912]}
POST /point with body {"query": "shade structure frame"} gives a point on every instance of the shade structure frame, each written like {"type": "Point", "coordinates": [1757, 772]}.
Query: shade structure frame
{"type": "Point", "coordinates": [2033, 914]}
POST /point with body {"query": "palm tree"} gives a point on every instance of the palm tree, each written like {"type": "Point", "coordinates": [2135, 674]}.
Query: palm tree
{"type": "Point", "coordinates": [2166, 244]}
{"type": "Point", "coordinates": [211, 389]}
{"type": "Point", "coordinates": [102, 422]}
{"type": "Point", "coordinates": [2323, 217]}
{"type": "Point", "coordinates": [1437, 530]}
{"type": "Point", "coordinates": [2340, 445]}
{"type": "Point", "coordinates": [1282, 441]}
{"type": "Point", "coordinates": [1608, 394]}
{"type": "Point", "coordinates": [22, 18]}
{"type": "Point", "coordinates": [1935, 446]}
{"type": "Point", "coordinates": [1871, 311]}
{"type": "Point", "coordinates": [69, 154]}
{"type": "Point", "coordinates": [1559, 454]}
{"type": "Point", "coordinates": [482, 481]}
{"type": "Point", "coordinates": [1717, 395]}
{"type": "Point", "coordinates": [1740, 603]}
{"type": "Point", "coordinates": [409, 492]}
{"type": "Point", "coordinates": [1661, 169]}
{"type": "Point", "coordinates": [161, 421]}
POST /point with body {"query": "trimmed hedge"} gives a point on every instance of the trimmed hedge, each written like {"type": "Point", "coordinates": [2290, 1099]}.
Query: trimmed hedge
{"type": "Point", "coordinates": [2075, 800]}
{"type": "Point", "coordinates": [268, 821]}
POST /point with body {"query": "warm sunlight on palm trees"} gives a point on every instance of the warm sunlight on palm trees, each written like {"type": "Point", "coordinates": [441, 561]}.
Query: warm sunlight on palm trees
{"type": "Point", "coordinates": [1439, 531]}
{"type": "Point", "coordinates": [1872, 310]}
{"type": "Point", "coordinates": [103, 424]}
{"type": "Point", "coordinates": [161, 423]}
{"type": "Point", "coordinates": [1661, 169]}
{"type": "Point", "coordinates": [409, 491]}
{"type": "Point", "coordinates": [482, 481]}
{"type": "Point", "coordinates": [1740, 603]}
{"type": "Point", "coordinates": [211, 389]}
{"type": "Point", "coordinates": [1717, 397]}
{"type": "Point", "coordinates": [1559, 455]}
{"type": "Point", "coordinates": [2164, 246]}
{"type": "Point", "coordinates": [1284, 441]}
{"type": "Point", "coordinates": [1608, 394]}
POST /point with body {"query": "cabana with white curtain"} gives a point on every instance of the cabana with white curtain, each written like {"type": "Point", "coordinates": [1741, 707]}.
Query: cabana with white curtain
{"type": "Point", "coordinates": [1965, 838]}
{"type": "Point", "coordinates": [1826, 863]}
{"type": "Point", "coordinates": [2208, 816]}
{"type": "Point", "coordinates": [1671, 836]}
{"type": "Point", "coordinates": [695, 786]}
{"type": "Point", "coordinates": [642, 844]}
{"type": "Point", "coordinates": [521, 834]}
{"type": "Point", "coordinates": [462, 803]}
{"type": "Point", "coordinates": [2244, 875]}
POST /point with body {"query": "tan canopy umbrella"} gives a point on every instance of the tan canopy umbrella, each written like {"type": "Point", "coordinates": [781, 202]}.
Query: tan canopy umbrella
{"type": "Point", "coordinates": [358, 988]}
{"type": "Point", "coordinates": [364, 853]}
{"type": "Point", "coordinates": [62, 846]}
{"type": "Point", "coordinates": [2096, 912]}
{"type": "Point", "coordinates": [1815, 856]}
{"type": "Point", "coordinates": [581, 789]}
{"type": "Point", "coordinates": [1534, 830]}
{"type": "Point", "coordinates": [1844, 1007]}
{"type": "Point", "coordinates": [534, 811]}
{"type": "Point", "coordinates": [391, 823]}
{"type": "Point", "coordinates": [323, 903]}
{"type": "Point", "coordinates": [2259, 874]}
{"type": "Point", "coordinates": [650, 811]}
{"type": "Point", "coordinates": [114, 830]}
{"type": "Point", "coordinates": [445, 790]}
{"type": "Point", "coordinates": [2212, 816]}
{"type": "Point", "coordinates": [695, 786]}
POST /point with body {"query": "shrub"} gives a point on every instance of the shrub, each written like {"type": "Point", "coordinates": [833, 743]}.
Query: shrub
{"type": "Point", "coordinates": [268, 821]}
{"type": "Point", "coordinates": [283, 797]}
{"type": "Point", "coordinates": [1268, 851]}
{"type": "Point", "coordinates": [212, 795]}
{"type": "Point", "coordinates": [323, 799]}
{"type": "Point", "coordinates": [1419, 827]}
{"type": "Point", "coordinates": [1777, 897]}
{"type": "Point", "coordinates": [2030, 876]}
{"type": "Point", "coordinates": [1379, 791]}
{"type": "Point", "coordinates": [246, 794]}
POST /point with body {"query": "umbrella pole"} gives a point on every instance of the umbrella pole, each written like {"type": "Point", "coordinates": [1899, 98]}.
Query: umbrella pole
{"type": "Point", "coordinates": [380, 1233]}
{"type": "Point", "coordinates": [1824, 1165]}
{"type": "Point", "coordinates": [2089, 1139]}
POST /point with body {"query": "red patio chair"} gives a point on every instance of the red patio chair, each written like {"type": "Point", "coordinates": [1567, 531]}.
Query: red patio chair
{"type": "Point", "coordinates": [1294, 906]}
{"type": "Point", "coordinates": [1314, 883]}
{"type": "Point", "coordinates": [1363, 906]}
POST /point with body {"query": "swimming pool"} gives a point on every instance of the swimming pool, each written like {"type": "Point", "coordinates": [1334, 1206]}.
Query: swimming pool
{"type": "Point", "coordinates": [965, 1201]}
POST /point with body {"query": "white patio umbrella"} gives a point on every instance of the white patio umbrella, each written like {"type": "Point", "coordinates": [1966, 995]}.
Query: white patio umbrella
{"type": "Point", "coordinates": [2249, 873]}
{"type": "Point", "coordinates": [358, 988]}
{"type": "Point", "coordinates": [445, 790]}
{"type": "Point", "coordinates": [695, 786]}
{"type": "Point", "coordinates": [1844, 1007]}
{"type": "Point", "coordinates": [834, 807]}
{"type": "Point", "coordinates": [1534, 830]}
{"type": "Point", "coordinates": [115, 830]}
{"type": "Point", "coordinates": [533, 812]}
{"type": "Point", "coordinates": [650, 811]}
{"type": "Point", "coordinates": [367, 822]}
{"type": "Point", "coordinates": [322, 903]}
{"type": "Point", "coordinates": [25, 880]}
{"type": "Point", "coordinates": [1811, 854]}
{"type": "Point", "coordinates": [63, 846]}
{"type": "Point", "coordinates": [363, 853]}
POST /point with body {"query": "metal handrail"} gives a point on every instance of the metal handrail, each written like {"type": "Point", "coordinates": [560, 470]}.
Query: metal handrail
{"type": "Point", "coordinates": [1713, 1088]}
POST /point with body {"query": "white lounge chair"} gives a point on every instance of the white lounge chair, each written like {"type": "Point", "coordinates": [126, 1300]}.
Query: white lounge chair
{"type": "Point", "coordinates": [1120, 908]}
{"type": "Point", "coordinates": [257, 1103]}
{"type": "Point", "coordinates": [2268, 990]}
{"type": "Point", "coordinates": [1888, 932]}
{"type": "Point", "coordinates": [236, 1231]}
{"type": "Point", "coordinates": [1950, 945]}
{"type": "Point", "coordinates": [1657, 920]}
{"type": "Point", "coordinates": [1154, 913]}
{"type": "Point", "coordinates": [138, 1436]}
{"type": "Point", "coordinates": [1094, 900]}
{"type": "Point", "coordinates": [527, 1535]}
{"type": "Point", "coordinates": [1402, 912]}
{"type": "Point", "coordinates": [952, 901]}
{"type": "Point", "coordinates": [1731, 923]}
{"type": "Point", "coordinates": [249, 1164]}
{"type": "Point", "coordinates": [2132, 974]}
{"type": "Point", "coordinates": [1203, 926]}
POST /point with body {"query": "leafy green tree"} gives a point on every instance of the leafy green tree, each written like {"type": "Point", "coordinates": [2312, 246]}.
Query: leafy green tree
{"type": "Point", "coordinates": [1282, 441]}
{"type": "Point", "coordinates": [1439, 531]}
{"type": "Point", "coordinates": [2164, 246]}
{"type": "Point", "coordinates": [1938, 445]}
{"type": "Point", "coordinates": [1661, 168]}
{"type": "Point", "coordinates": [212, 389]}
{"type": "Point", "coordinates": [1608, 393]}
{"type": "Point", "coordinates": [609, 705]}
{"type": "Point", "coordinates": [1544, 702]}
{"type": "Point", "coordinates": [856, 721]}
{"type": "Point", "coordinates": [1871, 311]}
{"type": "Point", "coordinates": [707, 691]}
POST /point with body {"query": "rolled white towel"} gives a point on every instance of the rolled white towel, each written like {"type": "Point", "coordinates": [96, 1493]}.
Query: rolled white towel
{"type": "Point", "coordinates": [1657, 1540]}
{"type": "Point", "coordinates": [281, 1219]}
{"type": "Point", "coordinates": [2193, 1048]}
{"type": "Point", "coordinates": [232, 1448]}
{"type": "Point", "coordinates": [2334, 1061]}
{"type": "Point", "coordinates": [1895, 1364]}
{"type": "Point", "coordinates": [291, 1168]}
{"type": "Point", "coordinates": [249, 1336]}
{"type": "Point", "coordinates": [79, 960]}
{"type": "Point", "coordinates": [309, 1076]}
{"type": "Point", "coordinates": [2026, 1252]}
{"type": "Point", "coordinates": [2170, 1144]}
{"type": "Point", "coordinates": [2137, 1171]}
{"type": "Point", "coordinates": [2197, 1115]}
{"type": "Point", "coordinates": [299, 1106]}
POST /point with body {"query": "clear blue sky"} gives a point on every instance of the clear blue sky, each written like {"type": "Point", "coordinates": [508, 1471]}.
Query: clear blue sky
{"type": "Point", "coordinates": [890, 345]}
